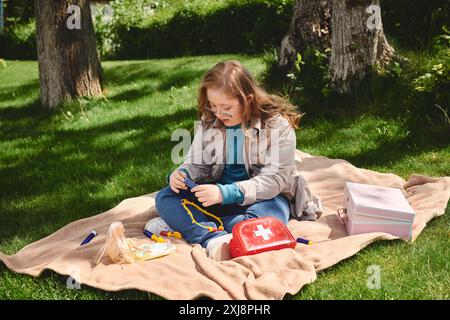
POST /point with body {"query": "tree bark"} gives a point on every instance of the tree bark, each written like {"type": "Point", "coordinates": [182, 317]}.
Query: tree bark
{"type": "Point", "coordinates": [342, 26]}
{"type": "Point", "coordinates": [69, 65]}
{"type": "Point", "coordinates": [354, 46]}
{"type": "Point", "coordinates": [310, 26]}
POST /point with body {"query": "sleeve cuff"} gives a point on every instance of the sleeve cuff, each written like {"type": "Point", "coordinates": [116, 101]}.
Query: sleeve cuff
{"type": "Point", "coordinates": [230, 193]}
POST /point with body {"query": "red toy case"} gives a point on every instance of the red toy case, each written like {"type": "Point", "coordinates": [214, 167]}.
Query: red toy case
{"type": "Point", "coordinates": [259, 235]}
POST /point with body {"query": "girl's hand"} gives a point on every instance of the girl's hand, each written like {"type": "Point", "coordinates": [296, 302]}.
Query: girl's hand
{"type": "Point", "coordinates": [176, 181]}
{"type": "Point", "coordinates": [208, 194]}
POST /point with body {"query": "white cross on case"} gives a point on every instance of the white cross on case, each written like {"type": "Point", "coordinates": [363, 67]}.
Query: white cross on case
{"type": "Point", "coordinates": [261, 232]}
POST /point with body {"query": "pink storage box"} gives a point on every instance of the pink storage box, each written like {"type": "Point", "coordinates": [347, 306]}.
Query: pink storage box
{"type": "Point", "coordinates": [369, 208]}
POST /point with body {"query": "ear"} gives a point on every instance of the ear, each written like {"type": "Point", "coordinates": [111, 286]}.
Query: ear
{"type": "Point", "coordinates": [250, 98]}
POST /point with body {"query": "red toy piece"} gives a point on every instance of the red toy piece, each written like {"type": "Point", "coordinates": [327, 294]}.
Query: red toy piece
{"type": "Point", "coordinates": [257, 235]}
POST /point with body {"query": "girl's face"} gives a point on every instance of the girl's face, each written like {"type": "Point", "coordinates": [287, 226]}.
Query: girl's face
{"type": "Point", "coordinates": [227, 109]}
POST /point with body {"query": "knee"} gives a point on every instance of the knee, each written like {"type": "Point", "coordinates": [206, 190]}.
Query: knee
{"type": "Point", "coordinates": [277, 207]}
{"type": "Point", "coordinates": [162, 194]}
{"type": "Point", "coordinates": [283, 210]}
{"type": "Point", "coordinates": [162, 199]}
{"type": "Point", "coordinates": [284, 217]}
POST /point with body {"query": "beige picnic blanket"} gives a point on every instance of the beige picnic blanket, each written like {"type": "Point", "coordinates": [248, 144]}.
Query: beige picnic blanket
{"type": "Point", "coordinates": [189, 273]}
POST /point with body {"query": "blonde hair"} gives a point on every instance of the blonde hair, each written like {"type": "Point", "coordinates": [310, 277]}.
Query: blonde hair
{"type": "Point", "coordinates": [234, 78]}
{"type": "Point", "coordinates": [117, 247]}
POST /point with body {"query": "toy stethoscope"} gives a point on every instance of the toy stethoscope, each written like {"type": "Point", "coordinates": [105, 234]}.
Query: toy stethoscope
{"type": "Point", "coordinates": [184, 202]}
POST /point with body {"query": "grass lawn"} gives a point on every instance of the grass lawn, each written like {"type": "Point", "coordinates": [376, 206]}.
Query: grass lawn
{"type": "Point", "coordinates": [58, 168]}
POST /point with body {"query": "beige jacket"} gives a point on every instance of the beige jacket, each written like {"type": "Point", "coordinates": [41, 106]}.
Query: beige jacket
{"type": "Point", "coordinates": [269, 159]}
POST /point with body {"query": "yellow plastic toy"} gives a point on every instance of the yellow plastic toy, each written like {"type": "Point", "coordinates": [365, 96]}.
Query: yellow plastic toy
{"type": "Point", "coordinates": [185, 203]}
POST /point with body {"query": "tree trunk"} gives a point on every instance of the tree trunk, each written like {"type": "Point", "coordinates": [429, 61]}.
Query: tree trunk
{"type": "Point", "coordinates": [341, 25]}
{"type": "Point", "coordinates": [356, 43]}
{"type": "Point", "coordinates": [69, 65]}
{"type": "Point", "coordinates": [310, 26]}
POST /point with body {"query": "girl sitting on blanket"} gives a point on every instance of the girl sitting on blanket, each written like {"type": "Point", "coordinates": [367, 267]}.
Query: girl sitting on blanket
{"type": "Point", "coordinates": [242, 158]}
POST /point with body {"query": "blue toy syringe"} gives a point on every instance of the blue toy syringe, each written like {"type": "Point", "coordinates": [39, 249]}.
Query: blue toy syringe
{"type": "Point", "coordinates": [304, 241]}
{"type": "Point", "coordinates": [89, 238]}
{"type": "Point", "coordinates": [153, 236]}
{"type": "Point", "coordinates": [189, 183]}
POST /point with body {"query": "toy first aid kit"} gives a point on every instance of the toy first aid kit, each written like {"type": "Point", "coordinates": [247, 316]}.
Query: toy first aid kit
{"type": "Point", "coordinates": [257, 235]}
{"type": "Point", "coordinates": [369, 208]}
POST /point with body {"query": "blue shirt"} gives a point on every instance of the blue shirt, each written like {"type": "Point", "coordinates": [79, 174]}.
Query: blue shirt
{"type": "Point", "coordinates": [234, 166]}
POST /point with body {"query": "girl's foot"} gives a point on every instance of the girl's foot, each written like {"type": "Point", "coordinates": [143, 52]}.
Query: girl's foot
{"type": "Point", "coordinates": [218, 248]}
{"type": "Point", "coordinates": [156, 225]}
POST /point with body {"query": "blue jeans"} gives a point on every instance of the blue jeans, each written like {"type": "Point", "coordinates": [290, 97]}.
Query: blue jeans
{"type": "Point", "coordinates": [168, 204]}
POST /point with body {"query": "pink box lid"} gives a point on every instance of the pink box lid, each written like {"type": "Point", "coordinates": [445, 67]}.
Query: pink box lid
{"type": "Point", "coordinates": [383, 202]}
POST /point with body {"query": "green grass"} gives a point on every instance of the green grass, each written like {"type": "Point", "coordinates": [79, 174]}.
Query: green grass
{"type": "Point", "coordinates": [58, 168]}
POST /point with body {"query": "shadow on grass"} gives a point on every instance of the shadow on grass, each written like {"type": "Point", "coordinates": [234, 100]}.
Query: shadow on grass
{"type": "Point", "coordinates": [144, 73]}
{"type": "Point", "coordinates": [118, 75]}
{"type": "Point", "coordinates": [388, 150]}
{"type": "Point", "coordinates": [43, 163]}
{"type": "Point", "coordinates": [65, 175]}
{"type": "Point", "coordinates": [9, 94]}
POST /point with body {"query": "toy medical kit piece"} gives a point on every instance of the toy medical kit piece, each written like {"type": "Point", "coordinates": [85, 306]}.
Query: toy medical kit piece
{"type": "Point", "coordinates": [185, 203]}
{"type": "Point", "coordinates": [150, 251]}
{"type": "Point", "coordinates": [174, 234]}
{"type": "Point", "coordinates": [370, 208]}
{"type": "Point", "coordinates": [157, 226]}
{"type": "Point", "coordinates": [304, 241]}
{"type": "Point", "coordinates": [122, 250]}
{"type": "Point", "coordinates": [257, 235]}
{"type": "Point", "coordinates": [189, 183]}
{"type": "Point", "coordinates": [89, 238]}
{"type": "Point", "coordinates": [154, 237]}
